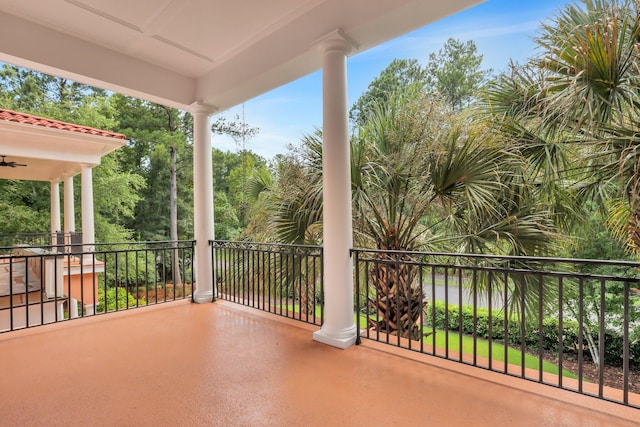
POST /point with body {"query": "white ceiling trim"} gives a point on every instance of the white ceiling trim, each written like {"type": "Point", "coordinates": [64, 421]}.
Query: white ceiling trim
{"type": "Point", "coordinates": [265, 32]}
{"type": "Point", "coordinates": [164, 51]}
{"type": "Point", "coordinates": [104, 15]}
{"type": "Point", "coordinates": [34, 46]}
{"type": "Point", "coordinates": [182, 48]}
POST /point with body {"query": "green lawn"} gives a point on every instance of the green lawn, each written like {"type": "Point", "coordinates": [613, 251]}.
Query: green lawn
{"type": "Point", "coordinates": [482, 348]}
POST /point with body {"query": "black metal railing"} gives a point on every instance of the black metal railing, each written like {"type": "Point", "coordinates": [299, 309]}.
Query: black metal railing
{"type": "Point", "coordinates": [47, 284]}
{"type": "Point", "coordinates": [282, 279]}
{"type": "Point", "coordinates": [572, 324]}
{"type": "Point", "coordinates": [32, 239]}
{"type": "Point", "coordinates": [71, 242]}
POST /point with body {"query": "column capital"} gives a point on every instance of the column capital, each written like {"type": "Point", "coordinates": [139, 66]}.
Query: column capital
{"type": "Point", "coordinates": [202, 108]}
{"type": "Point", "coordinates": [336, 41]}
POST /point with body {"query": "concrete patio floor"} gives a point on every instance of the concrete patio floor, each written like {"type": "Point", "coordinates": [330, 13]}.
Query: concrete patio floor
{"type": "Point", "coordinates": [183, 364]}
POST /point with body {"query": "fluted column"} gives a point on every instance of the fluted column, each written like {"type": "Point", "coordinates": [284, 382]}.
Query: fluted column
{"type": "Point", "coordinates": [202, 201]}
{"type": "Point", "coordinates": [338, 329]}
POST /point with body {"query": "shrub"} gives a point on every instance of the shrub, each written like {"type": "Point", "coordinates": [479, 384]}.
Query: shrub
{"type": "Point", "coordinates": [449, 318]}
{"type": "Point", "coordinates": [113, 304]}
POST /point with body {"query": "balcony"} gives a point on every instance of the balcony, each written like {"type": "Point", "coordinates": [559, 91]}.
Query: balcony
{"type": "Point", "coordinates": [224, 364]}
{"type": "Point", "coordinates": [203, 360]}
{"type": "Point", "coordinates": [570, 324]}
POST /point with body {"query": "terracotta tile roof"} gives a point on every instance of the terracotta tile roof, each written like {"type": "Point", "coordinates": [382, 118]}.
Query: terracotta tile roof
{"type": "Point", "coordinates": [14, 116]}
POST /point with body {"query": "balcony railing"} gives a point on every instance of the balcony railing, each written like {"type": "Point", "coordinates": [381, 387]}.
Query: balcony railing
{"type": "Point", "coordinates": [540, 319]}
{"type": "Point", "coordinates": [71, 242]}
{"type": "Point", "coordinates": [47, 284]}
{"type": "Point", "coordinates": [281, 279]}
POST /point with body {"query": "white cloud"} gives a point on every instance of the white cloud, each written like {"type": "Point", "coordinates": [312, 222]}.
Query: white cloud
{"type": "Point", "coordinates": [482, 33]}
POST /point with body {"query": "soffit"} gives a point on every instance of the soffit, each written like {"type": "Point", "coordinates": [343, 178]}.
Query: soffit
{"type": "Point", "coordinates": [178, 52]}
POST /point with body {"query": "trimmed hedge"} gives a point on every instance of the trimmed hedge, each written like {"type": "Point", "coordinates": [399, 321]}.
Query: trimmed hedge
{"type": "Point", "coordinates": [614, 342]}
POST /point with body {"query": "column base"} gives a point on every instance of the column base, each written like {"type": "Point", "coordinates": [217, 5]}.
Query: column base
{"type": "Point", "coordinates": [342, 339]}
{"type": "Point", "coordinates": [204, 296]}
{"type": "Point", "coordinates": [73, 308]}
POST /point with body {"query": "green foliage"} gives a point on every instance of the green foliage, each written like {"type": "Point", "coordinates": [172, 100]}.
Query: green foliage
{"type": "Point", "coordinates": [593, 241]}
{"type": "Point", "coordinates": [614, 342]}
{"type": "Point", "coordinates": [232, 177]}
{"type": "Point", "coordinates": [117, 298]}
{"type": "Point", "coordinates": [236, 128]}
{"type": "Point", "coordinates": [572, 112]}
{"type": "Point", "coordinates": [153, 131]}
{"type": "Point", "coordinates": [399, 76]}
{"type": "Point", "coordinates": [590, 54]}
{"type": "Point", "coordinates": [227, 224]}
{"type": "Point", "coordinates": [238, 183]}
{"type": "Point", "coordinates": [131, 184]}
{"type": "Point", "coordinates": [455, 72]}
{"type": "Point", "coordinates": [41, 94]}
{"type": "Point", "coordinates": [411, 162]}
{"type": "Point", "coordinates": [421, 178]}
{"type": "Point", "coordinates": [128, 268]}
{"type": "Point", "coordinates": [113, 213]}
{"type": "Point", "coordinates": [25, 206]}
{"type": "Point", "coordinates": [480, 347]}
{"type": "Point", "coordinates": [62, 99]}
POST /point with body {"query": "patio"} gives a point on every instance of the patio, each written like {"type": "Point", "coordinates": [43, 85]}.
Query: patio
{"type": "Point", "coordinates": [222, 364]}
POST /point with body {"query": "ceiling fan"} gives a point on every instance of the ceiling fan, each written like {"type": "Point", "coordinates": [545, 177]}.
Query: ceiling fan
{"type": "Point", "coordinates": [6, 164]}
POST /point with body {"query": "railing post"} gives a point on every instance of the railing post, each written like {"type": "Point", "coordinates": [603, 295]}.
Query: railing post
{"type": "Point", "coordinates": [212, 244]}
{"type": "Point", "coordinates": [356, 265]}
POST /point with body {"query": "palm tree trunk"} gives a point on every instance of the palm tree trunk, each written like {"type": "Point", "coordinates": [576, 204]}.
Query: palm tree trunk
{"type": "Point", "coordinates": [396, 299]}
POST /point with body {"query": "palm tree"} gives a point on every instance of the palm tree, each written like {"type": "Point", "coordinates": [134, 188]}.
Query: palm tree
{"type": "Point", "coordinates": [421, 179]}
{"type": "Point", "coordinates": [574, 112]}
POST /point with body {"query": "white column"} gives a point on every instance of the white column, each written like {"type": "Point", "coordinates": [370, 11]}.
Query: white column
{"type": "Point", "coordinates": [69, 227]}
{"type": "Point", "coordinates": [338, 329]}
{"type": "Point", "coordinates": [73, 308]}
{"type": "Point", "coordinates": [69, 206]}
{"type": "Point", "coordinates": [55, 210]}
{"type": "Point", "coordinates": [202, 201]}
{"type": "Point", "coordinates": [88, 228]}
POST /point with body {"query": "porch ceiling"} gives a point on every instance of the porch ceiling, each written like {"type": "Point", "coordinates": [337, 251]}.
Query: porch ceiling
{"type": "Point", "coordinates": [177, 52]}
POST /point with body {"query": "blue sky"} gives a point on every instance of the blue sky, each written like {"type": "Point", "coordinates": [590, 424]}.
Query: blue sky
{"type": "Point", "coordinates": [502, 30]}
